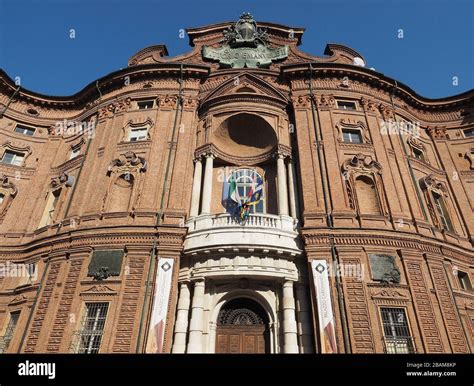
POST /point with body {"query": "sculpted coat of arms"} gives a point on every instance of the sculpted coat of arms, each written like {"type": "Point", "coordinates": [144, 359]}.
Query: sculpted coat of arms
{"type": "Point", "coordinates": [245, 46]}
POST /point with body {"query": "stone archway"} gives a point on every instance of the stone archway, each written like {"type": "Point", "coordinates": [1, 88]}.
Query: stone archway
{"type": "Point", "coordinates": [242, 328]}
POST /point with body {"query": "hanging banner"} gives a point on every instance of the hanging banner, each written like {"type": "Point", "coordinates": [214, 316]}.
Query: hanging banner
{"type": "Point", "coordinates": [324, 303]}
{"type": "Point", "coordinates": [164, 277]}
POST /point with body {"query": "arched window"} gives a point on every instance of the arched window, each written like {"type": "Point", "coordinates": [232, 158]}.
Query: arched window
{"type": "Point", "coordinates": [121, 193]}
{"type": "Point", "coordinates": [246, 182]}
{"type": "Point", "coordinates": [367, 195]}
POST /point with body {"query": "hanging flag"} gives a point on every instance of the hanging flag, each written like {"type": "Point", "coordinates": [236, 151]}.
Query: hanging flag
{"type": "Point", "coordinates": [324, 303]}
{"type": "Point", "coordinates": [256, 191]}
{"type": "Point", "coordinates": [233, 191]}
{"type": "Point", "coordinates": [163, 283]}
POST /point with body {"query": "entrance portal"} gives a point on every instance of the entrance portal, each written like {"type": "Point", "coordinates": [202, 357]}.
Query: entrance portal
{"type": "Point", "coordinates": [242, 328]}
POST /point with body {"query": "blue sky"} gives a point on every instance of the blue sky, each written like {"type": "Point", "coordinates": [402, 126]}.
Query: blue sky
{"type": "Point", "coordinates": [437, 43]}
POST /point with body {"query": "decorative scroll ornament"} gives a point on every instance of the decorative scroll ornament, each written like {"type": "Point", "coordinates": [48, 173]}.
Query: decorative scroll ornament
{"type": "Point", "coordinates": [363, 162]}
{"type": "Point", "coordinates": [431, 183]}
{"type": "Point", "coordinates": [127, 163]}
{"type": "Point", "coordinates": [245, 46]}
{"type": "Point", "coordinates": [63, 179]}
{"type": "Point", "coordinates": [416, 143]}
{"type": "Point", "coordinates": [437, 132]}
{"type": "Point", "coordinates": [8, 186]}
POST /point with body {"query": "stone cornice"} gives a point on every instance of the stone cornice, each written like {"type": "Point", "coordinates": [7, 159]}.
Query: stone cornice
{"type": "Point", "coordinates": [107, 83]}
{"type": "Point", "coordinates": [71, 241]}
{"type": "Point", "coordinates": [379, 80]}
{"type": "Point", "coordinates": [320, 237]}
{"type": "Point", "coordinates": [210, 148]}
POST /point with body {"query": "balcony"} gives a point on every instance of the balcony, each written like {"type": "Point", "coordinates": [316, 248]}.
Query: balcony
{"type": "Point", "coordinates": [261, 232]}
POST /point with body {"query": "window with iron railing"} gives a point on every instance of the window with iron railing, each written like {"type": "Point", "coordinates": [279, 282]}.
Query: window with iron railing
{"type": "Point", "coordinates": [87, 340]}
{"type": "Point", "coordinates": [6, 339]}
{"type": "Point", "coordinates": [397, 337]}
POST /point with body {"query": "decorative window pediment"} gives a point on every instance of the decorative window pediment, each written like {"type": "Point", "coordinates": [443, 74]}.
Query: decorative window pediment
{"type": "Point", "coordinates": [351, 124]}
{"type": "Point", "coordinates": [25, 151]}
{"type": "Point", "coordinates": [133, 125]}
{"type": "Point", "coordinates": [127, 163]}
{"type": "Point", "coordinates": [363, 163]}
{"type": "Point", "coordinates": [363, 179]}
{"type": "Point", "coordinates": [61, 180]}
{"type": "Point", "coordinates": [431, 183]}
{"type": "Point", "coordinates": [243, 87]}
{"type": "Point", "coordinates": [125, 183]}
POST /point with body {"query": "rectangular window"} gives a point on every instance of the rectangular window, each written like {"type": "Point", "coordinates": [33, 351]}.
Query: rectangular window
{"type": "Point", "coordinates": [396, 331]}
{"type": "Point", "coordinates": [464, 281]}
{"type": "Point", "coordinates": [13, 158]}
{"type": "Point", "coordinates": [139, 134]}
{"type": "Point", "coordinates": [469, 133]}
{"type": "Point", "coordinates": [346, 105]}
{"type": "Point", "coordinates": [442, 212]}
{"type": "Point", "coordinates": [351, 136]}
{"type": "Point", "coordinates": [92, 328]}
{"type": "Point", "coordinates": [2, 197]}
{"type": "Point", "coordinates": [6, 339]}
{"type": "Point", "coordinates": [74, 153]}
{"type": "Point", "coordinates": [25, 130]}
{"type": "Point", "coordinates": [143, 105]}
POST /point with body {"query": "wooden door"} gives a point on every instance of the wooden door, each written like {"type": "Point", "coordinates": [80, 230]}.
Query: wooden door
{"type": "Point", "coordinates": [241, 340]}
{"type": "Point", "coordinates": [242, 328]}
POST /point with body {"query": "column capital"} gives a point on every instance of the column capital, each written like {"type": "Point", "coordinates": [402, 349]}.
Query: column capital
{"type": "Point", "coordinates": [209, 155]}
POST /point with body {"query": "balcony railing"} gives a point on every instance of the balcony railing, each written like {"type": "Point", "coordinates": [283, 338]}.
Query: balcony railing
{"type": "Point", "coordinates": [260, 220]}
{"type": "Point", "coordinates": [399, 345]}
{"type": "Point", "coordinates": [223, 231]}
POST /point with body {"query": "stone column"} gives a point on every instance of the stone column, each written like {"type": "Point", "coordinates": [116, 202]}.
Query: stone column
{"type": "Point", "coordinates": [282, 189]}
{"type": "Point", "coordinates": [290, 336]}
{"type": "Point", "coordinates": [181, 325]}
{"type": "Point", "coordinates": [292, 188]}
{"type": "Point", "coordinates": [196, 193]}
{"type": "Point", "coordinates": [207, 188]}
{"type": "Point", "coordinates": [304, 319]}
{"type": "Point", "coordinates": [196, 324]}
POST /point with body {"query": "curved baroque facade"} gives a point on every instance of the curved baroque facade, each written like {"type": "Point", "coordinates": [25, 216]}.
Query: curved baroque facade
{"type": "Point", "coordinates": [121, 229]}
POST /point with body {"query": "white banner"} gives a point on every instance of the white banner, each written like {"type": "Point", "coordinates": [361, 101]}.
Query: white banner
{"type": "Point", "coordinates": [164, 275]}
{"type": "Point", "coordinates": [327, 331]}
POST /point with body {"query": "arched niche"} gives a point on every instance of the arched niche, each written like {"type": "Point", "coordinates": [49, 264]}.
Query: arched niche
{"type": "Point", "coordinates": [245, 135]}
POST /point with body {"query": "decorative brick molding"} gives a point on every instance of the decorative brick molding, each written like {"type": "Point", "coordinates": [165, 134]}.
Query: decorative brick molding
{"type": "Point", "coordinates": [356, 302]}
{"type": "Point", "coordinates": [424, 307]}
{"type": "Point", "coordinates": [448, 309]}
{"type": "Point", "coordinates": [130, 300]}
{"type": "Point", "coordinates": [63, 314]}
{"type": "Point", "coordinates": [42, 308]}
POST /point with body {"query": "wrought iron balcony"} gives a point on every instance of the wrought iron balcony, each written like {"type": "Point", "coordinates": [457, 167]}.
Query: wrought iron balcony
{"type": "Point", "coordinates": [260, 231]}
{"type": "Point", "coordinates": [399, 345]}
